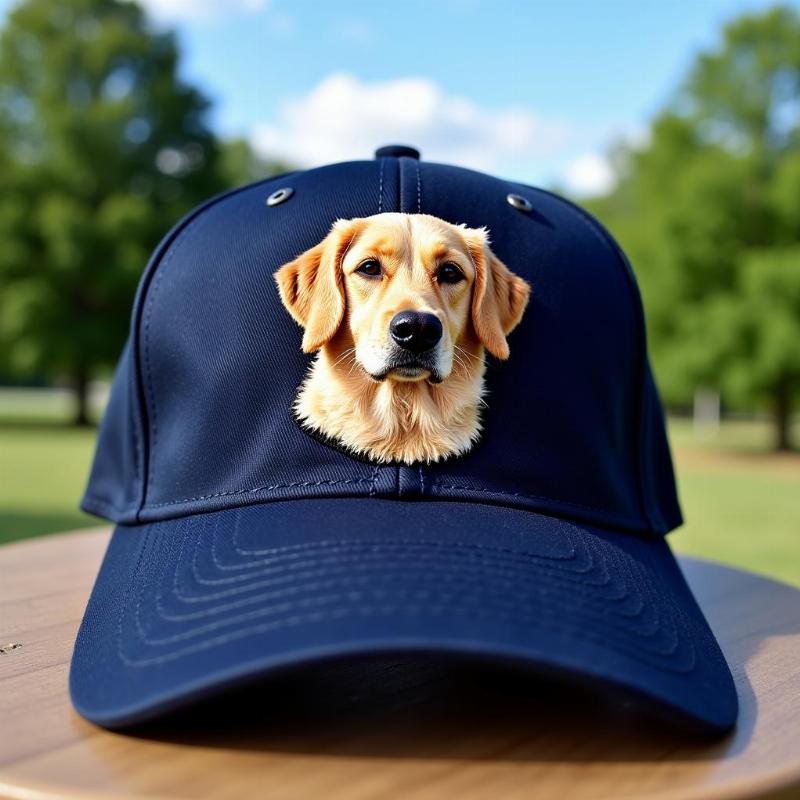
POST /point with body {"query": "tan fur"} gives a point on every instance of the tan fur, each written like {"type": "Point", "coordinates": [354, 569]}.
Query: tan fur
{"type": "Point", "coordinates": [346, 319]}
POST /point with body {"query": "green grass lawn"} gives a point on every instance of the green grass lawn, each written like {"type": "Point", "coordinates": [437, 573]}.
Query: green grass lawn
{"type": "Point", "coordinates": [741, 503]}
{"type": "Point", "coordinates": [43, 468]}
{"type": "Point", "coordinates": [44, 463]}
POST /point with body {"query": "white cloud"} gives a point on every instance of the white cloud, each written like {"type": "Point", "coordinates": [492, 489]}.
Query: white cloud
{"type": "Point", "coordinates": [589, 174]}
{"type": "Point", "coordinates": [168, 11]}
{"type": "Point", "coordinates": [343, 118]}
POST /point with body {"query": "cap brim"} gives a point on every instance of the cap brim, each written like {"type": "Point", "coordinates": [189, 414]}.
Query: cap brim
{"type": "Point", "coordinates": [189, 607]}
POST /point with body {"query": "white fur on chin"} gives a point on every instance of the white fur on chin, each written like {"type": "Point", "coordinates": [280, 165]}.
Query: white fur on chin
{"type": "Point", "coordinates": [405, 421]}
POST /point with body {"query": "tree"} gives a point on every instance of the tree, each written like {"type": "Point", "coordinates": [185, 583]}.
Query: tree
{"type": "Point", "coordinates": [102, 147]}
{"type": "Point", "coordinates": [709, 211]}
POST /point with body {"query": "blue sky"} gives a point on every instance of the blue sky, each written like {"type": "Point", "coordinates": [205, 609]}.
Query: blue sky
{"type": "Point", "coordinates": [531, 90]}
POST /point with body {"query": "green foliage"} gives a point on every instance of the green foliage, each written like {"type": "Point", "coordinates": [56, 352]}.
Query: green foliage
{"type": "Point", "coordinates": [709, 211]}
{"type": "Point", "coordinates": [102, 147]}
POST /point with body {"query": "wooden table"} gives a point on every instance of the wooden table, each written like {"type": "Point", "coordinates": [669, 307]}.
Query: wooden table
{"type": "Point", "coordinates": [401, 729]}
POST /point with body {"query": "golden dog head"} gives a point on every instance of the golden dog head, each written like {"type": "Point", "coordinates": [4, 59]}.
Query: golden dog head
{"type": "Point", "coordinates": [407, 292]}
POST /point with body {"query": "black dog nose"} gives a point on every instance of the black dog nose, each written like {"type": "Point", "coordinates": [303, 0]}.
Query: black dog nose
{"type": "Point", "coordinates": [415, 331]}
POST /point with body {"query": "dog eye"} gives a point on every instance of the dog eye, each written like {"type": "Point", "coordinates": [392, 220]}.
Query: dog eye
{"type": "Point", "coordinates": [449, 273]}
{"type": "Point", "coordinates": [371, 268]}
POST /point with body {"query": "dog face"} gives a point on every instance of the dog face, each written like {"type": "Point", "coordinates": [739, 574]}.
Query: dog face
{"type": "Point", "coordinates": [412, 294]}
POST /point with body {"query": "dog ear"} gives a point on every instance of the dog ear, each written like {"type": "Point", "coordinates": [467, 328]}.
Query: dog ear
{"type": "Point", "coordinates": [311, 286]}
{"type": "Point", "coordinates": [499, 296]}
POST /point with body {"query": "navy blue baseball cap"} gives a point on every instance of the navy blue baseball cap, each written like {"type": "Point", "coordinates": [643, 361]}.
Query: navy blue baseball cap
{"type": "Point", "coordinates": [244, 545]}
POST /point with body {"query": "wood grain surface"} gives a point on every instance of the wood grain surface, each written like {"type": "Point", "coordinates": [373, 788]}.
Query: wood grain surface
{"type": "Point", "coordinates": [410, 729]}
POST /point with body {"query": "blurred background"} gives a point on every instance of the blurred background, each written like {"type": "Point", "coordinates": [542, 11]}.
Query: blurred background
{"type": "Point", "coordinates": [678, 124]}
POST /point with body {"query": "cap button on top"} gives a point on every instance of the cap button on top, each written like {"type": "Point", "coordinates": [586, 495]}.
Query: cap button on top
{"type": "Point", "coordinates": [397, 150]}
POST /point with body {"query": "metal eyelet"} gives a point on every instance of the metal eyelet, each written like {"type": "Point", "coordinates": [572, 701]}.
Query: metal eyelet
{"type": "Point", "coordinates": [519, 202]}
{"type": "Point", "coordinates": [280, 196]}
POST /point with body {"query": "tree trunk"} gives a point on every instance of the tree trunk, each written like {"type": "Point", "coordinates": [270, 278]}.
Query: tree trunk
{"type": "Point", "coordinates": [81, 386]}
{"type": "Point", "coordinates": [782, 408]}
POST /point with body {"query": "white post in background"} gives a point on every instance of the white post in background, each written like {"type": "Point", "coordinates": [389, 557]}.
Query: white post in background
{"type": "Point", "coordinates": [706, 413]}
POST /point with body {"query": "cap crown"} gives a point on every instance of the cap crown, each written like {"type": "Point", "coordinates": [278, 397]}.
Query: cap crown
{"type": "Point", "coordinates": [199, 417]}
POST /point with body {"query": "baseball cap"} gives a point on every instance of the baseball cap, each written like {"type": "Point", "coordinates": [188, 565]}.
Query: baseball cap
{"type": "Point", "coordinates": [245, 545]}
